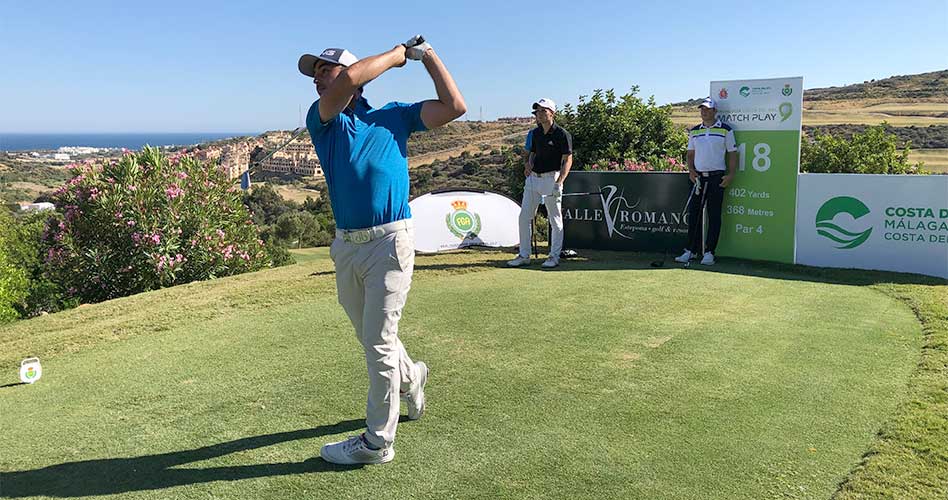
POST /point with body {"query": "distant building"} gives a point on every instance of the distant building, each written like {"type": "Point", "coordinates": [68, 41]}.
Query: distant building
{"type": "Point", "coordinates": [37, 207]}
{"type": "Point", "coordinates": [516, 119]}
{"type": "Point", "coordinates": [298, 157]}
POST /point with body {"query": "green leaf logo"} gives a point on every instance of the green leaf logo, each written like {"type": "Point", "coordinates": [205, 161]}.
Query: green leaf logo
{"type": "Point", "coordinates": [846, 238]}
{"type": "Point", "coordinates": [786, 111]}
{"type": "Point", "coordinates": [745, 91]}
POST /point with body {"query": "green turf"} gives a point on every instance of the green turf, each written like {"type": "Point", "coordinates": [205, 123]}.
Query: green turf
{"type": "Point", "coordinates": [594, 381]}
{"type": "Point", "coordinates": [306, 255]}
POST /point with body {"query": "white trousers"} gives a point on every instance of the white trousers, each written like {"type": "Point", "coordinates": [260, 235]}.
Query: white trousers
{"type": "Point", "coordinates": [372, 282]}
{"type": "Point", "coordinates": [537, 188]}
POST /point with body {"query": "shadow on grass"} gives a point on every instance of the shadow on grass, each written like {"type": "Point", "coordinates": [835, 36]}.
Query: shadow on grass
{"type": "Point", "coordinates": [110, 476]}
{"type": "Point", "coordinates": [602, 260]}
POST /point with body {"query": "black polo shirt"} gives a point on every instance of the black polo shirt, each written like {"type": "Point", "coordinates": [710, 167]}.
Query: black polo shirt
{"type": "Point", "coordinates": [549, 148]}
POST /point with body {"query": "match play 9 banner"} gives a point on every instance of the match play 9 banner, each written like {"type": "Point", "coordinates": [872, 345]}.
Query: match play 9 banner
{"type": "Point", "coordinates": [759, 212]}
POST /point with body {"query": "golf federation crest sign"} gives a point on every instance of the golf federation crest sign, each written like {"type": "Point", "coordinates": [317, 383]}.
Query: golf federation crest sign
{"type": "Point", "coordinates": [457, 218]}
{"type": "Point", "coordinates": [461, 222]}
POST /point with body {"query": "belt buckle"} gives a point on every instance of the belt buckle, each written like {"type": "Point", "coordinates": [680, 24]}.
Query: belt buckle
{"type": "Point", "coordinates": [360, 236]}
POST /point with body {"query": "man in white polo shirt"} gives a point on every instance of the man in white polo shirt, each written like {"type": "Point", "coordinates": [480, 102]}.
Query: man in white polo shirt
{"type": "Point", "coordinates": [709, 143]}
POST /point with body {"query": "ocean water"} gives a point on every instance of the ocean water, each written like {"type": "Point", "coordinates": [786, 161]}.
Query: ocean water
{"type": "Point", "coordinates": [38, 142]}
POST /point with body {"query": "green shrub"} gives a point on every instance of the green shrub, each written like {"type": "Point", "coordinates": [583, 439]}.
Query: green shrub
{"type": "Point", "coordinates": [279, 255]}
{"type": "Point", "coordinates": [14, 283]}
{"type": "Point", "coordinates": [873, 151]}
{"type": "Point", "coordinates": [26, 249]}
{"type": "Point", "coordinates": [617, 129]}
{"type": "Point", "coordinates": [148, 221]}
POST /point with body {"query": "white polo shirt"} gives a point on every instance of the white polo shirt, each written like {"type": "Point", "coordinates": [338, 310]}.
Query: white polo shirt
{"type": "Point", "coordinates": [710, 145]}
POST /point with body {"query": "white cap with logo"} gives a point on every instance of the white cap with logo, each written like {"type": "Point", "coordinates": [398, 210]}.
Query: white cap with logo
{"type": "Point", "coordinates": [707, 103]}
{"type": "Point", "coordinates": [307, 63]}
{"type": "Point", "coordinates": [545, 103]}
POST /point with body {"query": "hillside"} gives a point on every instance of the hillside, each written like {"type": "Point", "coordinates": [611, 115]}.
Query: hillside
{"type": "Point", "coordinates": [455, 138]}
{"type": "Point", "coordinates": [922, 87]}
{"type": "Point", "coordinates": [933, 85]}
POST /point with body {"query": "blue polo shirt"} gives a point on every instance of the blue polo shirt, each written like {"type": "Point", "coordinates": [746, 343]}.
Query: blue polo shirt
{"type": "Point", "coordinates": [364, 156]}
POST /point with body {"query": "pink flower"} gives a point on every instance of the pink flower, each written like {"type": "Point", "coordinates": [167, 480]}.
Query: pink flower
{"type": "Point", "coordinates": [173, 191]}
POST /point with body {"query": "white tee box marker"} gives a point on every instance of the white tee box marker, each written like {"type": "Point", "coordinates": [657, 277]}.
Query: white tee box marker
{"type": "Point", "coordinates": [30, 370]}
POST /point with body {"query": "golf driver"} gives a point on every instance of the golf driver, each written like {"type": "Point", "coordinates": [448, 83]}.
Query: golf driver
{"type": "Point", "coordinates": [548, 232]}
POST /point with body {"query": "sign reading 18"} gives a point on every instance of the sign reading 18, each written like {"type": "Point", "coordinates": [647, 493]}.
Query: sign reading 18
{"type": "Point", "coordinates": [761, 161]}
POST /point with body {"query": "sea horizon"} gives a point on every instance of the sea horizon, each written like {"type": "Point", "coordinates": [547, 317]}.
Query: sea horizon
{"type": "Point", "coordinates": [25, 141]}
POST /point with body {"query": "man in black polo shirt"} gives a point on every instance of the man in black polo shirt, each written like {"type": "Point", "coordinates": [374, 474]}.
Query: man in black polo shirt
{"type": "Point", "coordinates": [551, 156]}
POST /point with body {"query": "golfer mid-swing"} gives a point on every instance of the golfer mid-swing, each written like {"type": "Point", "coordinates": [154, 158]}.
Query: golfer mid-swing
{"type": "Point", "coordinates": [363, 152]}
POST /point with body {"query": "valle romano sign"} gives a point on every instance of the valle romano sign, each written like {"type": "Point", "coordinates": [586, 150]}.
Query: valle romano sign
{"type": "Point", "coordinates": [638, 211]}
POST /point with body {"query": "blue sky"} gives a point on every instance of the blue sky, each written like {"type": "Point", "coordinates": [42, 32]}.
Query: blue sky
{"type": "Point", "coordinates": [197, 66]}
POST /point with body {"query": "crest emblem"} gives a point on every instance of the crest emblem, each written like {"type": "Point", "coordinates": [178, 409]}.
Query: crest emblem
{"type": "Point", "coordinates": [461, 221]}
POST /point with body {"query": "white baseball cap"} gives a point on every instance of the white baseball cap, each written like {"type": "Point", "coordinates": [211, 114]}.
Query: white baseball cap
{"type": "Point", "coordinates": [342, 57]}
{"type": "Point", "coordinates": [545, 103]}
{"type": "Point", "coordinates": [708, 103]}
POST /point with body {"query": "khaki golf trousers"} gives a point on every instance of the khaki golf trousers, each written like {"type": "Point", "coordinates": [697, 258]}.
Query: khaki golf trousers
{"type": "Point", "coordinates": [372, 282]}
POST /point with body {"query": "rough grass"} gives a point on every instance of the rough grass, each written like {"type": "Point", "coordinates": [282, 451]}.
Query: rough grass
{"type": "Point", "coordinates": [754, 381]}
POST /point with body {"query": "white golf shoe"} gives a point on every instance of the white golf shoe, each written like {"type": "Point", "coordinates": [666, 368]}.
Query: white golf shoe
{"type": "Point", "coordinates": [519, 261]}
{"type": "Point", "coordinates": [551, 262]}
{"type": "Point", "coordinates": [708, 259]}
{"type": "Point", "coordinates": [684, 258]}
{"type": "Point", "coordinates": [415, 397]}
{"type": "Point", "coordinates": [354, 451]}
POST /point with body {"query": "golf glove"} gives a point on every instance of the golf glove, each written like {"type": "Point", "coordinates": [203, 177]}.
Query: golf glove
{"type": "Point", "coordinates": [415, 47]}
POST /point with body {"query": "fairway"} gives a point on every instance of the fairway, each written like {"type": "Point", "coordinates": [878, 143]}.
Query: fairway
{"type": "Point", "coordinates": [602, 379]}
{"type": "Point", "coordinates": [936, 160]}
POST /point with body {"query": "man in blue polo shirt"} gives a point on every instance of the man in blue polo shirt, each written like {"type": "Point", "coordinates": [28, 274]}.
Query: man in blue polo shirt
{"type": "Point", "coordinates": [709, 144]}
{"type": "Point", "coordinates": [364, 156]}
